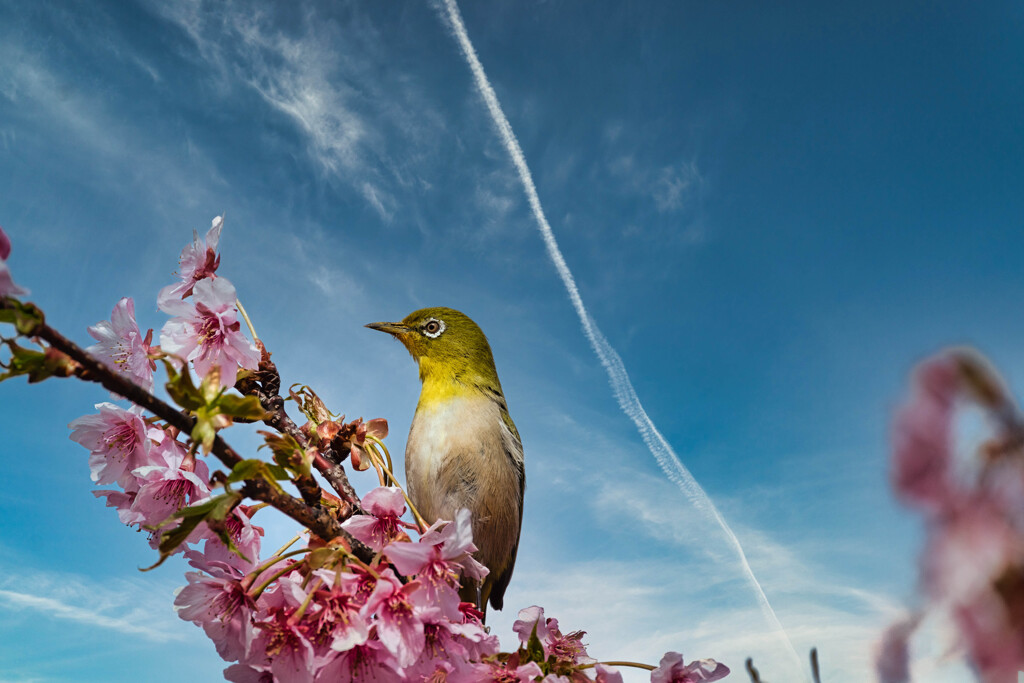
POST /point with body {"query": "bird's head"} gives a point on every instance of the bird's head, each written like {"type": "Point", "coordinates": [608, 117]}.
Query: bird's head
{"type": "Point", "coordinates": [447, 344]}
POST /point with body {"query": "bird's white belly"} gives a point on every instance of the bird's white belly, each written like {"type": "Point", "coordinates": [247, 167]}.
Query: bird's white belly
{"type": "Point", "coordinates": [465, 428]}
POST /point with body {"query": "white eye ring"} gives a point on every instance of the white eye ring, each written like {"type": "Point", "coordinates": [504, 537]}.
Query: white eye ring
{"type": "Point", "coordinates": [436, 333]}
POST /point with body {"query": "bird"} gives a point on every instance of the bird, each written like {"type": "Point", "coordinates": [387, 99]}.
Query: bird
{"type": "Point", "coordinates": [464, 450]}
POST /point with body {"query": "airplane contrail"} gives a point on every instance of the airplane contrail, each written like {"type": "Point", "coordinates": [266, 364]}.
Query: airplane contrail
{"type": "Point", "coordinates": [670, 463]}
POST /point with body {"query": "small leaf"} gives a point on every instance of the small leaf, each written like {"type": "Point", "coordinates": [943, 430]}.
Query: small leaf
{"type": "Point", "coordinates": [181, 389]}
{"type": "Point", "coordinates": [287, 452]}
{"type": "Point", "coordinates": [534, 648]}
{"type": "Point", "coordinates": [319, 557]}
{"type": "Point", "coordinates": [245, 407]}
{"type": "Point", "coordinates": [204, 433]}
{"type": "Point", "coordinates": [26, 317]}
{"type": "Point", "coordinates": [257, 469]}
{"type": "Point", "coordinates": [213, 510]}
{"type": "Point", "coordinates": [38, 365]}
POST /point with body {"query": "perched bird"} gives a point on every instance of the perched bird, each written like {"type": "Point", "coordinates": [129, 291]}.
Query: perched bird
{"type": "Point", "coordinates": [464, 450]}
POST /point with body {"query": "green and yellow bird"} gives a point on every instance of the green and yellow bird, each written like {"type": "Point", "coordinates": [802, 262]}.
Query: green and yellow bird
{"type": "Point", "coordinates": [464, 450]}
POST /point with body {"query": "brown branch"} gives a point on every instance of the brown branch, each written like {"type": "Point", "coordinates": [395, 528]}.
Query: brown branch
{"type": "Point", "coordinates": [266, 386]}
{"type": "Point", "coordinates": [755, 677]}
{"type": "Point", "coordinates": [317, 519]}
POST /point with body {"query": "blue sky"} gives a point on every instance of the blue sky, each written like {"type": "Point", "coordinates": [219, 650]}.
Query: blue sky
{"type": "Point", "coordinates": [771, 211]}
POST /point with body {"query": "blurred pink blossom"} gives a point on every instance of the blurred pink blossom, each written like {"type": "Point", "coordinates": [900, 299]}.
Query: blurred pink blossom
{"type": "Point", "coordinates": [672, 670]}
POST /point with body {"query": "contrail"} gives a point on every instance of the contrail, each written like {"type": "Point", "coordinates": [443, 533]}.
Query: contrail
{"type": "Point", "coordinates": [617, 376]}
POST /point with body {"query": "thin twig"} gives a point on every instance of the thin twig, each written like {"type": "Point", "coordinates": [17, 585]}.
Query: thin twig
{"type": "Point", "coordinates": [266, 386]}
{"type": "Point", "coordinates": [755, 677]}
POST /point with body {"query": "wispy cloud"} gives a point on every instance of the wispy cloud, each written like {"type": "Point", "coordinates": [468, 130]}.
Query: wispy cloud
{"type": "Point", "coordinates": [132, 609]}
{"type": "Point", "coordinates": [619, 378]}
{"type": "Point", "coordinates": [326, 77]}
{"type": "Point", "coordinates": [673, 186]}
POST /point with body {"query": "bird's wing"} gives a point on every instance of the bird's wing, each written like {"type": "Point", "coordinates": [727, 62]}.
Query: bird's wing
{"type": "Point", "coordinates": [514, 451]}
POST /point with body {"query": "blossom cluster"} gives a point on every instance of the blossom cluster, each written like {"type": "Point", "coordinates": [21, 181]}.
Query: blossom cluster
{"type": "Point", "coordinates": [972, 566]}
{"type": "Point", "coordinates": [367, 603]}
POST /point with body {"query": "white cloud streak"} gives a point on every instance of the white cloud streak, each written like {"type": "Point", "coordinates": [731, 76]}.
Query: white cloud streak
{"type": "Point", "coordinates": [129, 623]}
{"type": "Point", "coordinates": [670, 463]}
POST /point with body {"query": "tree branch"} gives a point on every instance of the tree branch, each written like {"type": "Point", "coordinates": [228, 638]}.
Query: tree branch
{"type": "Point", "coordinates": [266, 386]}
{"type": "Point", "coordinates": [317, 519]}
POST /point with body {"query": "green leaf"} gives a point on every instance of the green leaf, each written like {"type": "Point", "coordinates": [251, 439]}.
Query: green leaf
{"type": "Point", "coordinates": [204, 434]}
{"type": "Point", "coordinates": [287, 452]}
{"type": "Point", "coordinates": [26, 318]}
{"type": "Point", "coordinates": [319, 557]}
{"type": "Point", "coordinates": [245, 407]}
{"type": "Point", "coordinates": [214, 511]}
{"type": "Point", "coordinates": [534, 648]}
{"type": "Point", "coordinates": [257, 469]}
{"type": "Point", "coordinates": [38, 365]}
{"type": "Point", "coordinates": [181, 389]}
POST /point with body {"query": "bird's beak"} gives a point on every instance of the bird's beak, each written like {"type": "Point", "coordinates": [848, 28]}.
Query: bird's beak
{"type": "Point", "coordinates": [396, 329]}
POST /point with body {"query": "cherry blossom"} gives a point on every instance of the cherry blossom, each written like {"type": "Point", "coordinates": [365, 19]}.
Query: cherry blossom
{"type": "Point", "coordinates": [208, 333]}
{"type": "Point", "coordinates": [607, 674]}
{"type": "Point", "coordinates": [122, 346]}
{"type": "Point", "coordinates": [399, 627]}
{"type": "Point", "coordinates": [672, 670]}
{"type": "Point", "coordinates": [337, 623]}
{"type": "Point", "coordinates": [369, 662]}
{"type": "Point", "coordinates": [386, 504]}
{"type": "Point", "coordinates": [216, 600]}
{"type": "Point", "coordinates": [163, 490]}
{"type": "Point", "coordinates": [117, 443]}
{"type": "Point", "coordinates": [198, 261]}
{"type": "Point", "coordinates": [244, 534]}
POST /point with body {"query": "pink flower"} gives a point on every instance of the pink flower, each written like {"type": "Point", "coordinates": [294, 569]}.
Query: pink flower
{"type": "Point", "coordinates": [567, 649]}
{"type": "Point", "coordinates": [386, 504]}
{"type": "Point", "coordinates": [923, 436]}
{"type": "Point", "coordinates": [497, 672]}
{"type": "Point", "coordinates": [5, 245]}
{"type": "Point", "coordinates": [531, 618]}
{"type": "Point", "coordinates": [123, 502]}
{"type": "Point", "coordinates": [121, 345]}
{"type": "Point", "coordinates": [282, 642]}
{"type": "Point", "coordinates": [164, 490]}
{"type": "Point", "coordinates": [672, 670]}
{"type": "Point", "coordinates": [399, 627]}
{"type": "Point", "coordinates": [607, 674]}
{"type": "Point", "coordinates": [457, 547]}
{"type": "Point", "coordinates": [892, 660]}
{"type": "Point", "coordinates": [244, 534]}
{"type": "Point", "coordinates": [435, 560]}
{"type": "Point", "coordinates": [451, 647]}
{"type": "Point", "coordinates": [116, 439]}
{"type": "Point", "coordinates": [366, 663]}
{"type": "Point", "coordinates": [218, 603]}
{"type": "Point", "coordinates": [338, 623]}
{"type": "Point", "coordinates": [198, 261]}
{"type": "Point", "coordinates": [207, 332]}
{"type": "Point", "coordinates": [378, 427]}
{"type": "Point", "coordinates": [243, 673]}
{"type": "Point", "coordinates": [7, 286]}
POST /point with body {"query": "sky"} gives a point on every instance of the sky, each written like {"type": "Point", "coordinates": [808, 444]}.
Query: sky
{"type": "Point", "coordinates": [772, 212]}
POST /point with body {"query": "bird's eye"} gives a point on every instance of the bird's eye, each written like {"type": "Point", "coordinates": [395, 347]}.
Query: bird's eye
{"type": "Point", "coordinates": [433, 328]}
